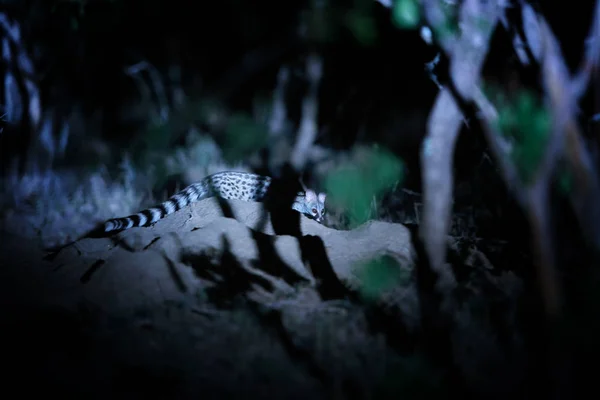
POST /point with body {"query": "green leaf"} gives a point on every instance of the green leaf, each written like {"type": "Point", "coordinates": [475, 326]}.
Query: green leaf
{"type": "Point", "coordinates": [527, 124]}
{"type": "Point", "coordinates": [362, 27]}
{"type": "Point", "coordinates": [353, 186]}
{"type": "Point", "coordinates": [565, 180]}
{"type": "Point", "coordinates": [379, 275]}
{"type": "Point", "coordinates": [243, 136]}
{"type": "Point", "coordinates": [406, 14]}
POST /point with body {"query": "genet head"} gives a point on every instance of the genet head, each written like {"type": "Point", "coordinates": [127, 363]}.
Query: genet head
{"type": "Point", "coordinates": [314, 205]}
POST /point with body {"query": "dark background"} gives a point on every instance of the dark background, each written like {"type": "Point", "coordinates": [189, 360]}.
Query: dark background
{"type": "Point", "coordinates": [375, 89]}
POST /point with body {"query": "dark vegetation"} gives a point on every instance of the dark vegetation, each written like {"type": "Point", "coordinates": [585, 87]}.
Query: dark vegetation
{"type": "Point", "coordinates": [485, 144]}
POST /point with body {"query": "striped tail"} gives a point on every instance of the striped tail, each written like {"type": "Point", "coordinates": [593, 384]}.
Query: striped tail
{"type": "Point", "coordinates": [195, 192]}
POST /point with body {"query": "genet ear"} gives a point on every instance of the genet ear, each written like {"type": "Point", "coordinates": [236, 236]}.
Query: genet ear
{"type": "Point", "coordinates": [310, 195]}
{"type": "Point", "coordinates": [322, 197]}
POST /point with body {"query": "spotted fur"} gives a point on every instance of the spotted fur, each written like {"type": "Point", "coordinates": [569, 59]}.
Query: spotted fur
{"type": "Point", "coordinates": [227, 185]}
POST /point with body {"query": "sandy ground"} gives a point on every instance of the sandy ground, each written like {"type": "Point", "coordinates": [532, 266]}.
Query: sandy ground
{"type": "Point", "coordinates": [202, 306]}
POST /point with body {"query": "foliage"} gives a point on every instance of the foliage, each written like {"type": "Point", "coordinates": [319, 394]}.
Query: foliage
{"type": "Point", "coordinates": [379, 275]}
{"type": "Point", "coordinates": [449, 27]}
{"type": "Point", "coordinates": [60, 206]}
{"type": "Point", "coordinates": [406, 14]}
{"type": "Point", "coordinates": [325, 21]}
{"type": "Point", "coordinates": [353, 187]}
{"type": "Point", "coordinates": [243, 136]}
{"type": "Point", "coordinates": [526, 124]}
{"type": "Point", "coordinates": [157, 136]}
{"type": "Point", "coordinates": [565, 180]}
{"type": "Point", "coordinates": [362, 26]}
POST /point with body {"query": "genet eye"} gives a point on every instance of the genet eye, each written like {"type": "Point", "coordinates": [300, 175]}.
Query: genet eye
{"type": "Point", "coordinates": [314, 210]}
